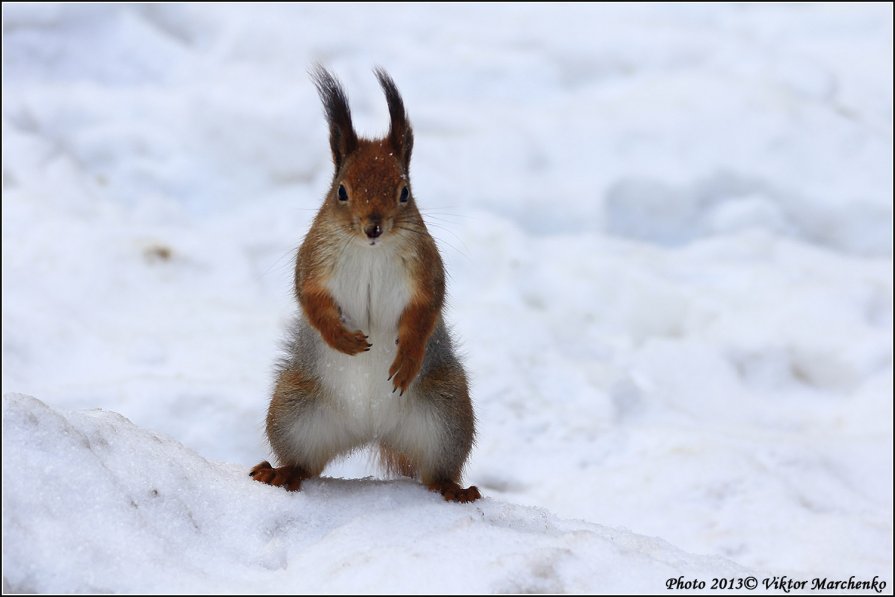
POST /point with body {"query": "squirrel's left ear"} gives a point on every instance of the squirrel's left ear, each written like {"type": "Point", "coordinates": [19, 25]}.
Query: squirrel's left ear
{"type": "Point", "coordinates": [400, 134]}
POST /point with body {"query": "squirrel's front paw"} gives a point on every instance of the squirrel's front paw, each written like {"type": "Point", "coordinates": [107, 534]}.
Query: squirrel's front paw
{"type": "Point", "coordinates": [350, 342]}
{"type": "Point", "coordinates": [405, 368]}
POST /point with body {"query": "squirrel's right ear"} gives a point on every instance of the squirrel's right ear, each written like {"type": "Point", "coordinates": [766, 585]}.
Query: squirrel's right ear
{"type": "Point", "coordinates": [342, 138]}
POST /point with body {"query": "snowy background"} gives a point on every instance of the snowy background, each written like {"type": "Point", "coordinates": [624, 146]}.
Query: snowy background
{"type": "Point", "coordinates": [669, 237]}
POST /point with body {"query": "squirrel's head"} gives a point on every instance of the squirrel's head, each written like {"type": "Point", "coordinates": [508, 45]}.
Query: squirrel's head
{"type": "Point", "coordinates": [370, 195]}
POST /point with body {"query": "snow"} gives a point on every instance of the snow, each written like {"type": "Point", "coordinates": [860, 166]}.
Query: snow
{"type": "Point", "coordinates": [668, 231]}
{"type": "Point", "coordinates": [195, 526]}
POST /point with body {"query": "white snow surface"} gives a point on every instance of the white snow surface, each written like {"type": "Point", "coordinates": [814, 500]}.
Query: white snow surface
{"type": "Point", "coordinates": [668, 230]}
{"type": "Point", "coordinates": [177, 522]}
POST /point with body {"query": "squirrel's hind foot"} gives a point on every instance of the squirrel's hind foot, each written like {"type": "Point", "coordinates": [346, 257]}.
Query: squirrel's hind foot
{"type": "Point", "coordinates": [289, 477]}
{"type": "Point", "coordinates": [453, 492]}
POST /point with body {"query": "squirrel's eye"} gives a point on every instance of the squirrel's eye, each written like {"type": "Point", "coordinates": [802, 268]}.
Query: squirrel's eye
{"type": "Point", "coordinates": [343, 194]}
{"type": "Point", "coordinates": [405, 195]}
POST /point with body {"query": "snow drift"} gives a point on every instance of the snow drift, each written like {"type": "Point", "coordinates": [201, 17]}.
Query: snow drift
{"type": "Point", "coordinates": [93, 503]}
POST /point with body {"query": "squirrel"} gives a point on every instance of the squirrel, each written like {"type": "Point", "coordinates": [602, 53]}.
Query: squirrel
{"type": "Point", "coordinates": [370, 359]}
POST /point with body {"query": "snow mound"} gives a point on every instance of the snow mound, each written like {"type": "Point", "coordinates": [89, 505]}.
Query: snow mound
{"type": "Point", "coordinates": [93, 503]}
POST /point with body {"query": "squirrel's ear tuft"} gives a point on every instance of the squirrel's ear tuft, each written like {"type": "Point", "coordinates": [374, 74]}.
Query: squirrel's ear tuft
{"type": "Point", "coordinates": [400, 134]}
{"type": "Point", "coordinates": [342, 138]}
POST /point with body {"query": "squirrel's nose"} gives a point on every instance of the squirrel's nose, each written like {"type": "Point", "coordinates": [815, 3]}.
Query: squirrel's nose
{"type": "Point", "coordinates": [373, 230]}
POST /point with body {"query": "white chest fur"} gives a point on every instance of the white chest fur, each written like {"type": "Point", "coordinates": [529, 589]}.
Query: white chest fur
{"type": "Point", "coordinates": [371, 286]}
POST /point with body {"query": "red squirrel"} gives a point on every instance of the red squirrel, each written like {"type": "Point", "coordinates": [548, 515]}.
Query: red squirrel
{"type": "Point", "coordinates": [370, 359]}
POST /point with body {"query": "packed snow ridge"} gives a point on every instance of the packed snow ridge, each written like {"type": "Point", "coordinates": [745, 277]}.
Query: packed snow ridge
{"type": "Point", "coordinates": [93, 503]}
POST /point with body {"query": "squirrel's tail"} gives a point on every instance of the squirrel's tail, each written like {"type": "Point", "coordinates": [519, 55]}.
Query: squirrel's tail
{"type": "Point", "coordinates": [396, 463]}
